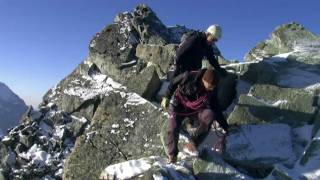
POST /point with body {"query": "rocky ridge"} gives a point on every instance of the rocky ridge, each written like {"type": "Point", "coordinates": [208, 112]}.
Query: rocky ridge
{"type": "Point", "coordinates": [104, 116]}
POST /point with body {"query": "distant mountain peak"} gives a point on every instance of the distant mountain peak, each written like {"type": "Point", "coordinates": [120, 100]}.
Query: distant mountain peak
{"type": "Point", "coordinates": [11, 107]}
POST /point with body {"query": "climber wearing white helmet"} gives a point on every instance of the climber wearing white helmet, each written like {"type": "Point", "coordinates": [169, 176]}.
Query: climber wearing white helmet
{"type": "Point", "coordinates": [193, 49]}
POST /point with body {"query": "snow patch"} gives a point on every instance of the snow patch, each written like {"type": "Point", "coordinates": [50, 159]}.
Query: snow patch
{"type": "Point", "coordinates": [36, 156]}
{"type": "Point", "coordinates": [126, 170]}
{"type": "Point", "coordinates": [313, 87]}
{"type": "Point", "coordinates": [296, 77]}
{"type": "Point", "coordinates": [82, 119]}
{"type": "Point", "coordinates": [134, 99]}
{"type": "Point", "coordinates": [116, 126]}
{"type": "Point", "coordinates": [129, 122]}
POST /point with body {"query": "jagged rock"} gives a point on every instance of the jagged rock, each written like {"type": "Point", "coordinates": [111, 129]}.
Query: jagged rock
{"type": "Point", "coordinates": [147, 83]}
{"type": "Point", "coordinates": [27, 140]}
{"type": "Point", "coordinates": [260, 72]}
{"type": "Point", "coordinates": [271, 104]}
{"type": "Point", "coordinates": [79, 78]}
{"type": "Point", "coordinates": [211, 166]}
{"type": "Point", "coordinates": [149, 26]}
{"type": "Point", "coordinates": [77, 126]}
{"type": "Point", "coordinates": [284, 39]}
{"type": "Point", "coordinates": [177, 32]}
{"type": "Point", "coordinates": [125, 126]}
{"type": "Point", "coordinates": [162, 56]}
{"type": "Point", "coordinates": [260, 146]}
{"type": "Point", "coordinates": [307, 167]}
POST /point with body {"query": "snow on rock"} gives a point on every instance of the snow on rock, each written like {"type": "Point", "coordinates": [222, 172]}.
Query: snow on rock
{"type": "Point", "coordinates": [99, 85]}
{"type": "Point", "coordinates": [36, 156]}
{"type": "Point", "coordinates": [126, 169]}
{"type": "Point", "coordinates": [59, 131]}
{"type": "Point", "coordinates": [313, 87]}
{"type": "Point", "coordinates": [137, 168]}
{"type": "Point", "coordinates": [297, 77]}
{"type": "Point", "coordinates": [306, 46]}
{"type": "Point", "coordinates": [134, 99]}
{"type": "Point", "coordinates": [308, 166]}
{"type": "Point", "coordinates": [260, 144]}
{"type": "Point", "coordinates": [82, 119]}
{"type": "Point", "coordinates": [278, 103]}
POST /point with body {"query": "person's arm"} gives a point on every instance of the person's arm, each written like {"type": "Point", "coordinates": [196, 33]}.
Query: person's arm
{"type": "Point", "coordinates": [212, 58]}
{"type": "Point", "coordinates": [218, 112]}
{"type": "Point", "coordinates": [221, 119]}
{"type": "Point", "coordinates": [174, 84]}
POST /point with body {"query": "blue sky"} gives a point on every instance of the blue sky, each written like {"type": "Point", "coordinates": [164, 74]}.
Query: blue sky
{"type": "Point", "coordinates": [42, 41]}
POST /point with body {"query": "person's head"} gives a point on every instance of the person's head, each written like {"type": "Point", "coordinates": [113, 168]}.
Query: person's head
{"type": "Point", "coordinates": [210, 79]}
{"type": "Point", "coordinates": [213, 33]}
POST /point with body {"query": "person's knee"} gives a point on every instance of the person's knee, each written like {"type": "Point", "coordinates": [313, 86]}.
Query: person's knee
{"type": "Point", "coordinates": [207, 116]}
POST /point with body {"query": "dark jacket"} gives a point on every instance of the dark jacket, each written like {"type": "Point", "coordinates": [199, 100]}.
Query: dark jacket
{"type": "Point", "coordinates": [192, 87]}
{"type": "Point", "coordinates": [191, 52]}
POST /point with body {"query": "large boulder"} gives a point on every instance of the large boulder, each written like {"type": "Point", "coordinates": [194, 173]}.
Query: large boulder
{"type": "Point", "coordinates": [211, 166]}
{"type": "Point", "coordinates": [259, 147]}
{"type": "Point", "coordinates": [147, 83]}
{"type": "Point", "coordinates": [271, 104]}
{"type": "Point", "coordinates": [79, 92]}
{"type": "Point", "coordinates": [161, 56]}
{"type": "Point", "coordinates": [125, 126]}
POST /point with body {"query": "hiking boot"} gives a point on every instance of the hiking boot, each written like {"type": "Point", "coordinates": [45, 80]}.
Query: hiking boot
{"type": "Point", "coordinates": [191, 149]}
{"type": "Point", "coordinates": [172, 159]}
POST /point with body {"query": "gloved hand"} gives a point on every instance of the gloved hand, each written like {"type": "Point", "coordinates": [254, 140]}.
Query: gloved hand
{"type": "Point", "coordinates": [165, 103]}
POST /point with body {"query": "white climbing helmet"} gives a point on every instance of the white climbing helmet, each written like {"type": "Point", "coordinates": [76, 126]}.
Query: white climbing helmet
{"type": "Point", "coordinates": [215, 31]}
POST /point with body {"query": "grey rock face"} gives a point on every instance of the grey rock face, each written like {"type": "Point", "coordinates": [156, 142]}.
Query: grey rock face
{"type": "Point", "coordinates": [37, 148]}
{"type": "Point", "coordinates": [271, 104]}
{"type": "Point", "coordinates": [254, 146]}
{"type": "Point", "coordinates": [124, 127]}
{"type": "Point", "coordinates": [123, 49]}
{"type": "Point", "coordinates": [212, 166]}
{"type": "Point", "coordinates": [162, 56]}
{"type": "Point", "coordinates": [284, 39]}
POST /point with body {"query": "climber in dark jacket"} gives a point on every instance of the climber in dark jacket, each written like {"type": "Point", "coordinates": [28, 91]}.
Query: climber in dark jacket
{"type": "Point", "coordinates": [194, 95]}
{"type": "Point", "coordinates": [194, 48]}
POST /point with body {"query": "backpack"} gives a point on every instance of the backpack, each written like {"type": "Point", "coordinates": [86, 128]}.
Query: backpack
{"type": "Point", "coordinates": [187, 35]}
